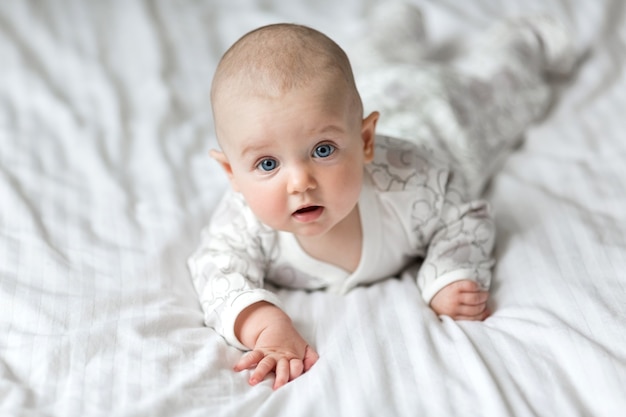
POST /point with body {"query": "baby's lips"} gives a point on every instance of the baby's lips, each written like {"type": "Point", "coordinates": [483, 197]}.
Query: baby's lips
{"type": "Point", "coordinates": [306, 209]}
{"type": "Point", "coordinates": [308, 213]}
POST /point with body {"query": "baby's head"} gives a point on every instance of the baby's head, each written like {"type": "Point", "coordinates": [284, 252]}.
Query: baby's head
{"type": "Point", "coordinates": [289, 120]}
{"type": "Point", "coordinates": [273, 60]}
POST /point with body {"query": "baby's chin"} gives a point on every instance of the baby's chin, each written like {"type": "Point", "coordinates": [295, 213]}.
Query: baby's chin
{"type": "Point", "coordinates": [308, 231]}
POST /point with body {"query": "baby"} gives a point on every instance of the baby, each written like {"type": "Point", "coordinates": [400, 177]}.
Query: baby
{"type": "Point", "coordinates": [319, 201]}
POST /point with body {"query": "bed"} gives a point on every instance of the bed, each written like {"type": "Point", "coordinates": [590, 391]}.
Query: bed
{"type": "Point", "coordinates": [105, 184]}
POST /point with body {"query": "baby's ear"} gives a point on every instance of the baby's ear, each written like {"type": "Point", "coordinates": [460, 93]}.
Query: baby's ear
{"type": "Point", "coordinates": [221, 158]}
{"type": "Point", "coordinates": [368, 134]}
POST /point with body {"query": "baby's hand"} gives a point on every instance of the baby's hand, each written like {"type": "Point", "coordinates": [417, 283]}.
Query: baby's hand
{"type": "Point", "coordinates": [461, 300]}
{"type": "Point", "coordinates": [278, 347]}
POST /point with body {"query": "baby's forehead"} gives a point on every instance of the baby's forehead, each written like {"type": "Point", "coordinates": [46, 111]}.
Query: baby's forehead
{"type": "Point", "coordinates": [256, 84]}
{"type": "Point", "coordinates": [280, 57]}
{"type": "Point", "coordinates": [273, 80]}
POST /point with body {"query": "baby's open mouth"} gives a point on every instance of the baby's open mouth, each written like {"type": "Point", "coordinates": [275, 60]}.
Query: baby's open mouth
{"type": "Point", "coordinates": [308, 214]}
{"type": "Point", "coordinates": [307, 209]}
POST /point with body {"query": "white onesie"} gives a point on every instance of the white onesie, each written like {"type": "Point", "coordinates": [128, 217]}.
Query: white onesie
{"type": "Point", "coordinates": [410, 209]}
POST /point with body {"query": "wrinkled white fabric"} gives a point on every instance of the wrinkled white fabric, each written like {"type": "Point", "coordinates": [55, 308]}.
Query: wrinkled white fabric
{"type": "Point", "coordinates": [105, 184]}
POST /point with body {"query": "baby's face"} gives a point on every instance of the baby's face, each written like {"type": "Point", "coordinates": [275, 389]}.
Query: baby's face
{"type": "Point", "coordinates": [298, 158]}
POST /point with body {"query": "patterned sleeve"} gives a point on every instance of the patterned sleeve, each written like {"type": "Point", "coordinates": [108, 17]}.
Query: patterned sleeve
{"type": "Point", "coordinates": [228, 267]}
{"type": "Point", "coordinates": [461, 245]}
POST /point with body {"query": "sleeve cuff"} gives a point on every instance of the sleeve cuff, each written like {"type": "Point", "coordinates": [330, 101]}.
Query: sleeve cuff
{"type": "Point", "coordinates": [237, 305]}
{"type": "Point", "coordinates": [429, 292]}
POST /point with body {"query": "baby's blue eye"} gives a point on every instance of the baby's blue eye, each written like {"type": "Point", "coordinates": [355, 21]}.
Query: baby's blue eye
{"type": "Point", "coordinates": [324, 151]}
{"type": "Point", "coordinates": [268, 165]}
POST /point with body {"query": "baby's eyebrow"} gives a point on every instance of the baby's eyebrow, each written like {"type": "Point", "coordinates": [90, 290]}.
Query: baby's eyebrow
{"type": "Point", "coordinates": [253, 148]}
{"type": "Point", "coordinates": [257, 146]}
{"type": "Point", "coordinates": [331, 129]}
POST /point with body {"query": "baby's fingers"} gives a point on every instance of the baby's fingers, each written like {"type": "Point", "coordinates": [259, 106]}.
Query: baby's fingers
{"type": "Point", "coordinates": [296, 368]}
{"type": "Point", "coordinates": [284, 368]}
{"type": "Point", "coordinates": [267, 365]}
{"type": "Point", "coordinates": [477, 312]}
{"type": "Point", "coordinates": [310, 357]}
{"type": "Point", "coordinates": [282, 373]}
{"type": "Point", "coordinates": [474, 298]}
{"type": "Point", "coordinates": [249, 360]}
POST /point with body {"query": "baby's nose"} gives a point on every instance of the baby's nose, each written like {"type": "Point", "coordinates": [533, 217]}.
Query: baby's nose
{"type": "Point", "coordinates": [301, 179]}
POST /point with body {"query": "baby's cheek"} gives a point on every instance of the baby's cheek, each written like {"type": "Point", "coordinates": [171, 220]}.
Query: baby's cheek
{"type": "Point", "coordinates": [350, 187]}
{"type": "Point", "coordinates": [267, 207]}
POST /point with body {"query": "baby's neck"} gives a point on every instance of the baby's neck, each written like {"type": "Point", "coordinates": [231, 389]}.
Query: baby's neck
{"type": "Point", "coordinates": [340, 246]}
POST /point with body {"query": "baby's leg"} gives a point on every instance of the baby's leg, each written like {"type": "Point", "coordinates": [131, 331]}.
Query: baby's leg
{"type": "Point", "coordinates": [529, 46]}
{"type": "Point", "coordinates": [473, 112]}
{"type": "Point", "coordinates": [501, 88]}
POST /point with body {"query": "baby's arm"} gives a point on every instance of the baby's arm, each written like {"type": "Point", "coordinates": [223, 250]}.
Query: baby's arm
{"type": "Point", "coordinates": [456, 272]}
{"type": "Point", "coordinates": [275, 345]}
{"type": "Point", "coordinates": [228, 270]}
{"type": "Point", "coordinates": [461, 300]}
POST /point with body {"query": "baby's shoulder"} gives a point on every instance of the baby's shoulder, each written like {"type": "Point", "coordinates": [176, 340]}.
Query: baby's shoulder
{"type": "Point", "coordinates": [400, 165]}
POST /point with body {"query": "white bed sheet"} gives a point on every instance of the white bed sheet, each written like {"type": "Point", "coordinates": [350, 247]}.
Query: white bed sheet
{"type": "Point", "coordinates": [105, 183]}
